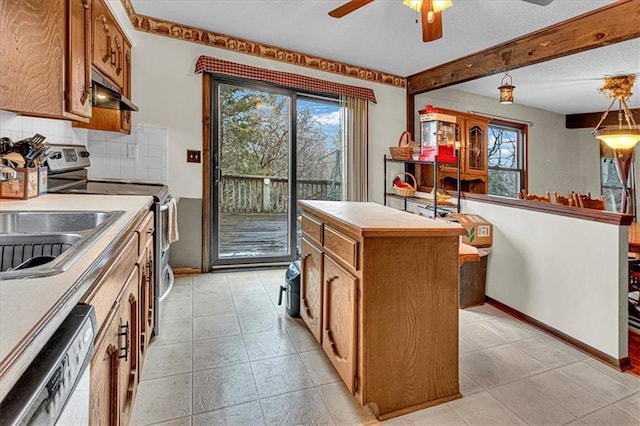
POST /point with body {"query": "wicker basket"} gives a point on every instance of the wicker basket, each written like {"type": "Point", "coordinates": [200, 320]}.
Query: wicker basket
{"type": "Point", "coordinates": [404, 150]}
{"type": "Point", "coordinates": [405, 192]}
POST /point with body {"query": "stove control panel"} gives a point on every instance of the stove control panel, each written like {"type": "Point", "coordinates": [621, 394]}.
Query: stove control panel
{"type": "Point", "coordinates": [67, 157]}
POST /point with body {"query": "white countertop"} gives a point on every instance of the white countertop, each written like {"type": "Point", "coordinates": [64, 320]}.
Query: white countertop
{"type": "Point", "coordinates": [25, 302]}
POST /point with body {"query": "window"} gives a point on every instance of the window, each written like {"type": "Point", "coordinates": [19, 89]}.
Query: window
{"type": "Point", "coordinates": [506, 159]}
{"type": "Point", "coordinates": [611, 184]}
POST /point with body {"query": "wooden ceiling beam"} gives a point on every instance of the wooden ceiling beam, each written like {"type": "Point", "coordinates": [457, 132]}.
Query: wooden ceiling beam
{"type": "Point", "coordinates": [610, 24]}
{"type": "Point", "coordinates": [591, 119]}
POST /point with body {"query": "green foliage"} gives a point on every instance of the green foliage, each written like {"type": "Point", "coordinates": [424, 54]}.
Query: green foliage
{"type": "Point", "coordinates": [255, 128]}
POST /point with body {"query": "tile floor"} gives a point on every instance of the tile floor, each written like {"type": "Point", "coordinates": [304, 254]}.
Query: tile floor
{"type": "Point", "coordinates": [228, 354]}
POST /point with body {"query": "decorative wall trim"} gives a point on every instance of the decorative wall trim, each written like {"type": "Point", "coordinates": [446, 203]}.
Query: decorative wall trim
{"type": "Point", "coordinates": [197, 35]}
{"type": "Point", "coordinates": [297, 81]}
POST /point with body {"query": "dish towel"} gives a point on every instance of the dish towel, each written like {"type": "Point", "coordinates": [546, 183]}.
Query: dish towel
{"type": "Point", "coordinates": [172, 234]}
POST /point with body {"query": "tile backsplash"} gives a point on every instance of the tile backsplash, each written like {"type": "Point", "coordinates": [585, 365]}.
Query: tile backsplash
{"type": "Point", "coordinates": [140, 156]}
{"type": "Point", "coordinates": [19, 127]}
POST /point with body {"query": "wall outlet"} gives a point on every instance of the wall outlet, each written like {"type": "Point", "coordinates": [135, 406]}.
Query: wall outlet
{"type": "Point", "coordinates": [193, 156]}
{"type": "Point", "coordinates": [132, 150]}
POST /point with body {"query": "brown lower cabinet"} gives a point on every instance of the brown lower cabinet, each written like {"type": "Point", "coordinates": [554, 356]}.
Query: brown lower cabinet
{"type": "Point", "coordinates": [311, 288]}
{"type": "Point", "coordinates": [383, 284]}
{"type": "Point", "coordinates": [339, 337]}
{"type": "Point", "coordinates": [123, 300]}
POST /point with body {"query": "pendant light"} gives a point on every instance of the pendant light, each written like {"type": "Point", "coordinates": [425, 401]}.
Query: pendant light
{"type": "Point", "coordinates": [506, 89]}
{"type": "Point", "coordinates": [620, 136]}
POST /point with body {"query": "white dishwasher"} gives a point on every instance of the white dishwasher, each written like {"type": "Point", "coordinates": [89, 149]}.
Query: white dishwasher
{"type": "Point", "coordinates": [55, 388]}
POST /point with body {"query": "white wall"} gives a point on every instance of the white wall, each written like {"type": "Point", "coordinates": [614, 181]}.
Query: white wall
{"type": "Point", "coordinates": [568, 273]}
{"type": "Point", "coordinates": [559, 160]}
{"type": "Point", "coordinates": [169, 95]}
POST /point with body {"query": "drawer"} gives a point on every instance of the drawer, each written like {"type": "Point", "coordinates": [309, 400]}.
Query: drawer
{"type": "Point", "coordinates": [312, 228]}
{"type": "Point", "coordinates": [103, 294]}
{"type": "Point", "coordinates": [145, 231]}
{"type": "Point", "coordinates": [342, 246]}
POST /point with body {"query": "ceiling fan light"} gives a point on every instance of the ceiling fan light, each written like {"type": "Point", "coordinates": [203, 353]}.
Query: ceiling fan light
{"type": "Point", "coordinates": [413, 4]}
{"type": "Point", "coordinates": [618, 138]}
{"type": "Point", "coordinates": [440, 5]}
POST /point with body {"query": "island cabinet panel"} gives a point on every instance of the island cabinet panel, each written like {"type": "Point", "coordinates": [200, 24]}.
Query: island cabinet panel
{"type": "Point", "coordinates": [389, 302]}
{"type": "Point", "coordinates": [311, 288]}
{"type": "Point", "coordinates": [410, 322]}
{"type": "Point", "coordinates": [340, 321]}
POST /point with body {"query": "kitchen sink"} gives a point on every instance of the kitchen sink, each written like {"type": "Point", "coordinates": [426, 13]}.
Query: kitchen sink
{"type": "Point", "coordinates": [44, 243]}
{"type": "Point", "coordinates": [50, 221]}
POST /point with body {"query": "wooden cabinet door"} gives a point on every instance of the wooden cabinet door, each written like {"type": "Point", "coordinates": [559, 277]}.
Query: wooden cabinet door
{"type": "Point", "coordinates": [311, 289]}
{"type": "Point", "coordinates": [129, 338]}
{"type": "Point", "coordinates": [146, 298]}
{"type": "Point", "coordinates": [104, 407]}
{"type": "Point", "coordinates": [108, 46]}
{"type": "Point", "coordinates": [339, 339]}
{"type": "Point", "coordinates": [78, 76]}
{"type": "Point", "coordinates": [476, 147]}
{"type": "Point", "coordinates": [32, 52]}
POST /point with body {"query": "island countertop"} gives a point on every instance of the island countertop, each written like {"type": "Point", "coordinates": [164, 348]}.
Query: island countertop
{"type": "Point", "coordinates": [32, 309]}
{"type": "Point", "coordinates": [374, 220]}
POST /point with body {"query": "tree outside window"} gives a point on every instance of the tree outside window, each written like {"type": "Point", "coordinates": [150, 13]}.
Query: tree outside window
{"type": "Point", "coordinates": [506, 162]}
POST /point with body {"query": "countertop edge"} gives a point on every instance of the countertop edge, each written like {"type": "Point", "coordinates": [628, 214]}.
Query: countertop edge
{"type": "Point", "coordinates": [20, 356]}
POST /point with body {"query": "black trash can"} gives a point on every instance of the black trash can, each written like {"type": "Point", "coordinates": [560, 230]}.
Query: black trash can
{"type": "Point", "coordinates": [473, 279]}
{"type": "Point", "coordinates": [292, 289]}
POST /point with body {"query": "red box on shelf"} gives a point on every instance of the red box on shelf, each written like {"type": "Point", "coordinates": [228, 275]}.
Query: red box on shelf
{"type": "Point", "coordinates": [443, 153]}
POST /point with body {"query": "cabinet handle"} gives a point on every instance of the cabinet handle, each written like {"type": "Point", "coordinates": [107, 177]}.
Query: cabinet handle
{"type": "Point", "coordinates": [108, 53]}
{"type": "Point", "coordinates": [332, 279]}
{"type": "Point", "coordinates": [307, 310]}
{"type": "Point", "coordinates": [87, 52]}
{"type": "Point", "coordinates": [333, 347]}
{"type": "Point", "coordinates": [124, 333]}
{"type": "Point", "coordinates": [119, 56]}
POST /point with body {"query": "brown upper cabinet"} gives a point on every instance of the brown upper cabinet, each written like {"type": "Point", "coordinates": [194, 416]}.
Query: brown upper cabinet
{"type": "Point", "coordinates": [111, 57]}
{"type": "Point", "coordinates": [108, 44]}
{"type": "Point", "coordinates": [46, 58]}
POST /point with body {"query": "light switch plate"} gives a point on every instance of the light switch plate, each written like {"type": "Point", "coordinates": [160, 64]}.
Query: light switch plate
{"type": "Point", "coordinates": [132, 150]}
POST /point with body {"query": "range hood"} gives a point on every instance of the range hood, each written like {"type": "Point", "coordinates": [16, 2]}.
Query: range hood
{"type": "Point", "coordinates": [105, 95]}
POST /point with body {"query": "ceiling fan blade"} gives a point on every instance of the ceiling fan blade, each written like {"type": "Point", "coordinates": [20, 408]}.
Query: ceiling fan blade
{"type": "Point", "coordinates": [347, 8]}
{"type": "Point", "coordinates": [539, 2]}
{"type": "Point", "coordinates": [430, 30]}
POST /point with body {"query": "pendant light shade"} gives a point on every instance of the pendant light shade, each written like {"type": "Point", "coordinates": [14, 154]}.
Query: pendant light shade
{"type": "Point", "coordinates": [626, 134]}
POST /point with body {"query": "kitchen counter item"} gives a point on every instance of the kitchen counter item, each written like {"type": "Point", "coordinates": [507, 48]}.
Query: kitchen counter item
{"type": "Point", "coordinates": [291, 290]}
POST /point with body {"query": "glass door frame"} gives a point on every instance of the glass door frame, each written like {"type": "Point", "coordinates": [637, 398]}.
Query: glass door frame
{"type": "Point", "coordinates": [216, 174]}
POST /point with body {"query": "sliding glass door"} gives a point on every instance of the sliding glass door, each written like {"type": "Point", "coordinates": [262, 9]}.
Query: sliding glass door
{"type": "Point", "coordinates": [252, 175]}
{"type": "Point", "coordinates": [271, 147]}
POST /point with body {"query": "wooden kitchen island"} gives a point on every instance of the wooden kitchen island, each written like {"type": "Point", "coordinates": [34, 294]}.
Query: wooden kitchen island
{"type": "Point", "coordinates": [379, 291]}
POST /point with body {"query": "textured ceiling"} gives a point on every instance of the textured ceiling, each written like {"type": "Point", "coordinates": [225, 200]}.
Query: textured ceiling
{"type": "Point", "coordinates": [384, 36]}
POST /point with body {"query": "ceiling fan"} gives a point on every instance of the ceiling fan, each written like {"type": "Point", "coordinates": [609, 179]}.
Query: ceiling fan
{"type": "Point", "coordinates": [430, 12]}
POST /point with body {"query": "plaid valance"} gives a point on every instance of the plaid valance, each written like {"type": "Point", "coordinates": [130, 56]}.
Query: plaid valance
{"type": "Point", "coordinates": [296, 81]}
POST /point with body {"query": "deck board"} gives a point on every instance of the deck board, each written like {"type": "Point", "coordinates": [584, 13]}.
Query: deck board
{"type": "Point", "coordinates": [253, 235]}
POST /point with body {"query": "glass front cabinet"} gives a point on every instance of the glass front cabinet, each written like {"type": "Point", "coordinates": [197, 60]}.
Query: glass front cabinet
{"type": "Point", "coordinates": [471, 141]}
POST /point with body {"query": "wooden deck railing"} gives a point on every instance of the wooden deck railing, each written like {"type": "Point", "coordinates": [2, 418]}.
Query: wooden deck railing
{"type": "Point", "coordinates": [260, 194]}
